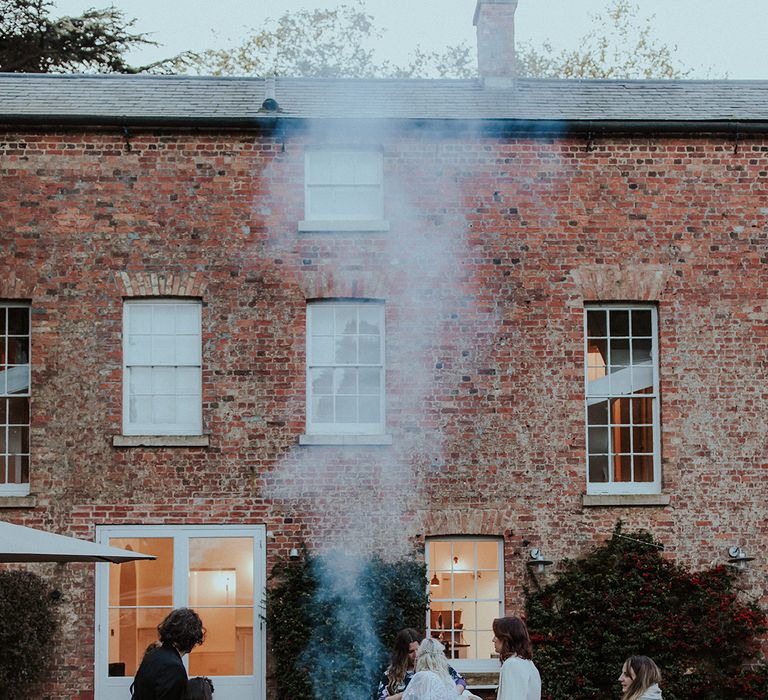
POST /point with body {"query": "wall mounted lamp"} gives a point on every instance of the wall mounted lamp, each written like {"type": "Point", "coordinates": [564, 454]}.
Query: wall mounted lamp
{"type": "Point", "coordinates": [538, 560]}
{"type": "Point", "coordinates": [738, 558]}
{"type": "Point", "coordinates": [293, 555]}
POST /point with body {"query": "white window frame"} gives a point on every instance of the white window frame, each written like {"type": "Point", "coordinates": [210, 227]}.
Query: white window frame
{"type": "Point", "coordinates": [246, 687]}
{"type": "Point", "coordinates": [192, 428]}
{"type": "Point", "coordinates": [23, 488]}
{"type": "Point", "coordinates": [316, 428]}
{"type": "Point", "coordinates": [626, 488]}
{"type": "Point", "coordinates": [318, 220]}
{"type": "Point", "coordinates": [469, 665]}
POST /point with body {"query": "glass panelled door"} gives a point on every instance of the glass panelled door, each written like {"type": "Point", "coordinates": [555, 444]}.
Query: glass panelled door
{"type": "Point", "coordinates": [217, 570]}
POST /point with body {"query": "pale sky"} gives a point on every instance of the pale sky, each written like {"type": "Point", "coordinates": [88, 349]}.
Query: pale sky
{"type": "Point", "coordinates": [722, 36]}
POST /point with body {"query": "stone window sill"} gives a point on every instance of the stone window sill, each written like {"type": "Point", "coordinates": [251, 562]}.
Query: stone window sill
{"type": "Point", "coordinates": [18, 501]}
{"type": "Point", "coordinates": [343, 226]}
{"type": "Point", "coordinates": [345, 439]}
{"type": "Point", "coordinates": [625, 500]}
{"type": "Point", "coordinates": [160, 441]}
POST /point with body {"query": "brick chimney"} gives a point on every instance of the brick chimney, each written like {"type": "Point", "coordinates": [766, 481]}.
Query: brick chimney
{"type": "Point", "coordinates": [495, 22]}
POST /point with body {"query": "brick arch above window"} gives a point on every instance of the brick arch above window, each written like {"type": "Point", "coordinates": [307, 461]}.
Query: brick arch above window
{"type": "Point", "coordinates": [14, 287]}
{"type": "Point", "coordinates": [621, 282]}
{"type": "Point", "coordinates": [161, 284]}
{"type": "Point", "coordinates": [478, 523]}
{"type": "Point", "coordinates": [340, 285]}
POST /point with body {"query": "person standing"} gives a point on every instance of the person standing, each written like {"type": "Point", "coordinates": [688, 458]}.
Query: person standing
{"type": "Point", "coordinates": [519, 679]}
{"type": "Point", "coordinates": [161, 674]}
{"type": "Point", "coordinates": [640, 678]}
{"type": "Point", "coordinates": [432, 681]}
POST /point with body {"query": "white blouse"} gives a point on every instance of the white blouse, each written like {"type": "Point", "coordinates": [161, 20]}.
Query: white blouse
{"type": "Point", "coordinates": [519, 680]}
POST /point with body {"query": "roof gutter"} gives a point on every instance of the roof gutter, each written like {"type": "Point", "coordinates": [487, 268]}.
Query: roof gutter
{"type": "Point", "coordinates": [528, 127]}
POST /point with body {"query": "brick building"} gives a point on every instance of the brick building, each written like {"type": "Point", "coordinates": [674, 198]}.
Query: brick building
{"type": "Point", "coordinates": [462, 318]}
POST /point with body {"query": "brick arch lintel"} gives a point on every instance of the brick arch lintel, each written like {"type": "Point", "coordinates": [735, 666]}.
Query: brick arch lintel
{"type": "Point", "coordinates": [324, 285]}
{"type": "Point", "coordinates": [13, 286]}
{"type": "Point", "coordinates": [160, 284]}
{"type": "Point", "coordinates": [456, 522]}
{"type": "Point", "coordinates": [621, 282]}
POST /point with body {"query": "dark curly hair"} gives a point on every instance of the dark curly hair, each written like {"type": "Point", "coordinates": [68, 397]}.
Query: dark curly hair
{"type": "Point", "coordinates": [182, 628]}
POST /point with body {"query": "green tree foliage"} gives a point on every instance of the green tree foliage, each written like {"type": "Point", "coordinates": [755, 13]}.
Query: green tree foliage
{"type": "Point", "coordinates": [332, 620]}
{"type": "Point", "coordinates": [31, 41]}
{"type": "Point", "coordinates": [626, 598]}
{"type": "Point", "coordinates": [339, 43]}
{"type": "Point", "coordinates": [620, 44]}
{"type": "Point", "coordinates": [332, 43]}
{"type": "Point", "coordinates": [27, 628]}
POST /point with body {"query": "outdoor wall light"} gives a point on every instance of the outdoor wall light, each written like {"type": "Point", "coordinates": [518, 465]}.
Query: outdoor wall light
{"type": "Point", "coordinates": [293, 555]}
{"type": "Point", "coordinates": [538, 560]}
{"type": "Point", "coordinates": [738, 558]}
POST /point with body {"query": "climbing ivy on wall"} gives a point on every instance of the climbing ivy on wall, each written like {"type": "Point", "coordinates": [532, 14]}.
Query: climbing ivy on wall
{"type": "Point", "coordinates": [332, 620]}
{"type": "Point", "coordinates": [27, 628]}
{"type": "Point", "coordinates": [626, 598]}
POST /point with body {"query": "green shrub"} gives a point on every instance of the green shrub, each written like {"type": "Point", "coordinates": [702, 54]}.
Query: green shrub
{"type": "Point", "coordinates": [332, 621]}
{"type": "Point", "coordinates": [624, 598]}
{"type": "Point", "coordinates": [27, 628]}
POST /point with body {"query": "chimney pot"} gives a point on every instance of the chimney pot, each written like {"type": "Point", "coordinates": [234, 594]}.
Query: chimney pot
{"type": "Point", "coordinates": [495, 22]}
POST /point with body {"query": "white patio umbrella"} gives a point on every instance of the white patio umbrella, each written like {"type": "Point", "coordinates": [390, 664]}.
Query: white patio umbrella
{"type": "Point", "coordinates": [24, 544]}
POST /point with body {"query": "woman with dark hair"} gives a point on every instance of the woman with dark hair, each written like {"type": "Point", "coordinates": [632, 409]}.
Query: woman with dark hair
{"type": "Point", "coordinates": [162, 673]}
{"type": "Point", "coordinates": [402, 667]}
{"type": "Point", "coordinates": [519, 679]}
{"type": "Point", "coordinates": [640, 678]}
{"type": "Point", "coordinates": [200, 688]}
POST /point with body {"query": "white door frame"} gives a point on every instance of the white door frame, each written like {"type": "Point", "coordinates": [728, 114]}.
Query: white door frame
{"type": "Point", "coordinates": [249, 687]}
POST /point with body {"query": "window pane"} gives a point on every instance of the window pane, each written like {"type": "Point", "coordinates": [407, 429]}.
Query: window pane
{"type": "Point", "coordinates": [641, 351]}
{"type": "Point", "coordinates": [139, 350]}
{"type": "Point", "coordinates": [322, 381]}
{"type": "Point", "coordinates": [322, 349]}
{"type": "Point", "coordinates": [488, 584]}
{"type": "Point", "coordinates": [346, 381]}
{"type": "Point", "coordinates": [220, 571]}
{"type": "Point", "coordinates": [187, 350]}
{"type": "Point", "coordinates": [621, 439]}
{"type": "Point", "coordinates": [144, 582]}
{"type": "Point", "coordinates": [140, 380]}
{"type": "Point", "coordinates": [346, 349]}
{"type": "Point", "coordinates": [370, 319]}
{"type": "Point", "coordinates": [188, 319]}
{"type": "Point", "coordinates": [641, 322]}
{"type": "Point", "coordinates": [3, 314]}
{"type": "Point", "coordinates": [140, 409]}
{"type": "Point", "coordinates": [322, 409]}
{"type": "Point", "coordinates": [597, 440]}
{"type": "Point", "coordinates": [4, 410]}
{"type": "Point", "coordinates": [643, 468]}
{"type": "Point", "coordinates": [370, 349]}
{"type": "Point", "coordinates": [346, 409]}
{"type": "Point", "coordinates": [18, 440]}
{"type": "Point", "coordinates": [131, 631]}
{"type": "Point", "coordinates": [487, 555]}
{"type": "Point", "coordinates": [485, 648]}
{"type": "Point", "coordinates": [619, 323]}
{"type": "Point", "coordinates": [642, 438]}
{"type": "Point", "coordinates": [18, 351]}
{"type": "Point", "coordinates": [369, 381]}
{"type": "Point", "coordinates": [598, 469]}
{"type": "Point", "coordinates": [163, 409]}
{"type": "Point", "coordinates": [163, 349]}
{"type": "Point", "coordinates": [320, 203]}
{"type": "Point", "coordinates": [163, 318]}
{"type": "Point", "coordinates": [18, 321]}
{"type": "Point", "coordinates": [619, 353]}
{"type": "Point", "coordinates": [642, 410]}
{"type": "Point", "coordinates": [620, 411]}
{"type": "Point", "coordinates": [321, 319]}
{"type": "Point", "coordinates": [597, 413]}
{"type": "Point", "coordinates": [188, 411]}
{"type": "Point", "coordinates": [17, 379]}
{"type": "Point", "coordinates": [370, 409]}
{"type": "Point", "coordinates": [597, 359]}
{"type": "Point", "coordinates": [188, 381]}
{"type": "Point", "coordinates": [163, 380]}
{"type": "Point", "coordinates": [622, 467]}
{"type": "Point", "coordinates": [346, 319]}
{"type": "Point", "coordinates": [596, 323]}
{"type": "Point", "coordinates": [140, 319]}
{"type": "Point", "coordinates": [440, 555]}
{"type": "Point", "coordinates": [3, 378]}
{"type": "Point", "coordinates": [228, 648]}
{"type": "Point", "coordinates": [367, 169]}
{"type": "Point", "coordinates": [18, 469]}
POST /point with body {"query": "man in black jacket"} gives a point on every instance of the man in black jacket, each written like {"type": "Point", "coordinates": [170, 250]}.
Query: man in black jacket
{"type": "Point", "coordinates": [161, 675]}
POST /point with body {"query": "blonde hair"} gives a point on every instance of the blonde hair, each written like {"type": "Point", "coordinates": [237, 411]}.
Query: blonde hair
{"type": "Point", "coordinates": [646, 674]}
{"type": "Point", "coordinates": [431, 657]}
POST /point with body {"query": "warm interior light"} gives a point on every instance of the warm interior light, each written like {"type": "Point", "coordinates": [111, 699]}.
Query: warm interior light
{"type": "Point", "coordinates": [435, 581]}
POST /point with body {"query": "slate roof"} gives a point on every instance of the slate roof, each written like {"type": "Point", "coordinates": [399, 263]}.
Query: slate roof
{"type": "Point", "coordinates": [184, 99]}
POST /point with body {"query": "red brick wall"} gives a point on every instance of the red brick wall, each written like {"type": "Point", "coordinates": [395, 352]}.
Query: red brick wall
{"type": "Point", "coordinates": [493, 249]}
